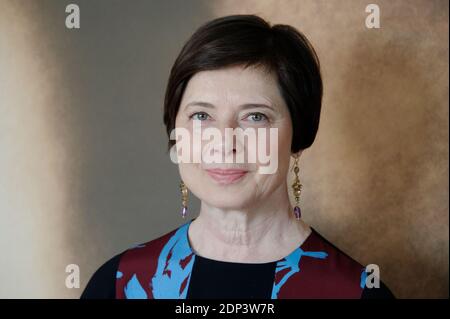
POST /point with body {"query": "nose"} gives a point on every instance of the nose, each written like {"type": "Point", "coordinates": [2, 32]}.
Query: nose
{"type": "Point", "coordinates": [226, 145]}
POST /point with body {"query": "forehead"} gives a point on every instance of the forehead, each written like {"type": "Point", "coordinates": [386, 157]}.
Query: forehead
{"type": "Point", "coordinates": [234, 84]}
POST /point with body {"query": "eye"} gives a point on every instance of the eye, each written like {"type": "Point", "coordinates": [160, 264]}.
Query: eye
{"type": "Point", "coordinates": [257, 117]}
{"type": "Point", "coordinates": [201, 116]}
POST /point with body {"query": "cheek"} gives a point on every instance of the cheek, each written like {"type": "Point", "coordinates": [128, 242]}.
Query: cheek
{"type": "Point", "coordinates": [192, 176]}
{"type": "Point", "coordinates": [266, 184]}
{"type": "Point", "coordinates": [186, 136]}
{"type": "Point", "coordinates": [283, 150]}
{"type": "Point", "coordinates": [285, 133]}
{"type": "Point", "coordinates": [275, 147]}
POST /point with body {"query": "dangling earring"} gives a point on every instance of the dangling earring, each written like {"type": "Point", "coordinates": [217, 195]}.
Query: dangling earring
{"type": "Point", "coordinates": [184, 199]}
{"type": "Point", "coordinates": [297, 188]}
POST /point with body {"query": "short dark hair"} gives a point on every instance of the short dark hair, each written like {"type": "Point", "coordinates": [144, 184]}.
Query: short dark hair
{"type": "Point", "coordinates": [249, 40]}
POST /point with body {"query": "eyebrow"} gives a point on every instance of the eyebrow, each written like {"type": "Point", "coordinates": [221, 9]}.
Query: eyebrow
{"type": "Point", "coordinates": [242, 106]}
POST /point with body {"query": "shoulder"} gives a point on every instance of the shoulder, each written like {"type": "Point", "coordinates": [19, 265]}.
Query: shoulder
{"type": "Point", "coordinates": [335, 274]}
{"type": "Point", "coordinates": [148, 262]}
{"type": "Point", "coordinates": [138, 255]}
{"type": "Point", "coordinates": [102, 283]}
{"type": "Point", "coordinates": [107, 279]}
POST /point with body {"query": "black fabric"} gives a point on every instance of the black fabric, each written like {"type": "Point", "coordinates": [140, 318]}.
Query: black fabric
{"type": "Point", "coordinates": [102, 285]}
{"type": "Point", "coordinates": [382, 292]}
{"type": "Point", "coordinates": [218, 279]}
{"type": "Point", "coordinates": [213, 279]}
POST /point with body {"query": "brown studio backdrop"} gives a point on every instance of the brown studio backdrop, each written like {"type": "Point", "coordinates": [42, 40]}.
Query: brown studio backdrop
{"type": "Point", "coordinates": [84, 173]}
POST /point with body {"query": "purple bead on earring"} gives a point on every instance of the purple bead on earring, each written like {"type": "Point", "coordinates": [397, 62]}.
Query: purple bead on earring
{"type": "Point", "coordinates": [297, 212]}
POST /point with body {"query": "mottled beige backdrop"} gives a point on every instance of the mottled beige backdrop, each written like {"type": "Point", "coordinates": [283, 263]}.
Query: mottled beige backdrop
{"type": "Point", "coordinates": [83, 168]}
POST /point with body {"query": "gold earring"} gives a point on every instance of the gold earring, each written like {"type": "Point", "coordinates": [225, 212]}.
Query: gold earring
{"type": "Point", "coordinates": [297, 189]}
{"type": "Point", "coordinates": [184, 199]}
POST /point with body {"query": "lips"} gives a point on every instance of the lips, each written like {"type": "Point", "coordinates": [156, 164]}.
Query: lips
{"type": "Point", "coordinates": [226, 176]}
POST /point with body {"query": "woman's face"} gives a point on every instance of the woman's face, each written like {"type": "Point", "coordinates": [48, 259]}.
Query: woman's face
{"type": "Point", "coordinates": [232, 98]}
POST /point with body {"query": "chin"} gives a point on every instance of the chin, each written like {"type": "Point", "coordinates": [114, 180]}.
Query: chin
{"type": "Point", "coordinates": [226, 200]}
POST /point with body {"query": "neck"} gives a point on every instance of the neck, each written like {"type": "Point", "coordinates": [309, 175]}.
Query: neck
{"type": "Point", "coordinates": [250, 233]}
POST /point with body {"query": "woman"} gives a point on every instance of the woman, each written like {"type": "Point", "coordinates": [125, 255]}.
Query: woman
{"type": "Point", "coordinates": [247, 241]}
